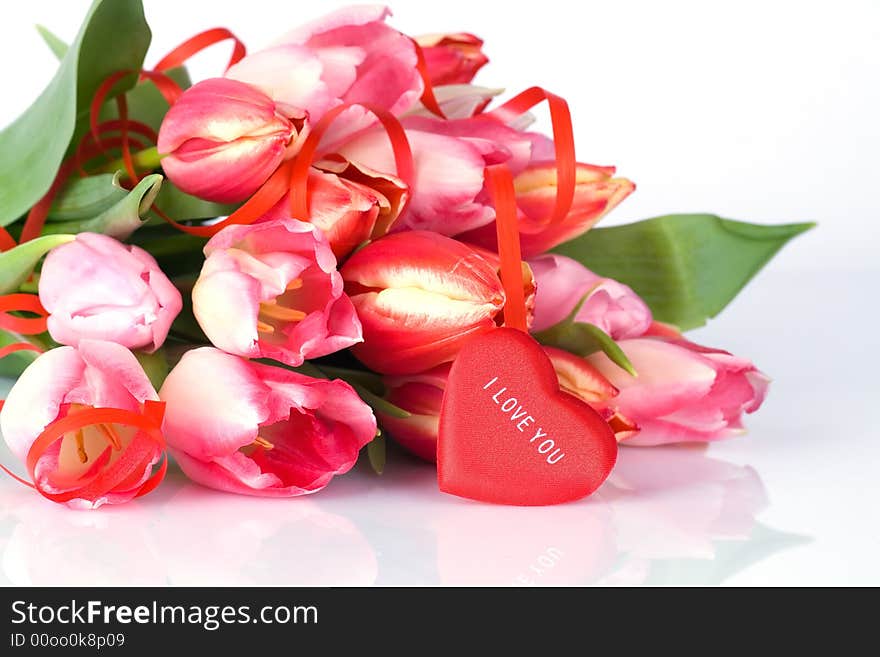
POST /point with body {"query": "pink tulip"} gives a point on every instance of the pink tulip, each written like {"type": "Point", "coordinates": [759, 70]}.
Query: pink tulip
{"type": "Point", "coordinates": [348, 56]}
{"type": "Point", "coordinates": [583, 380]}
{"type": "Point", "coordinates": [101, 463]}
{"type": "Point", "coordinates": [223, 139]}
{"type": "Point", "coordinates": [597, 193]}
{"type": "Point", "coordinates": [419, 295]}
{"type": "Point", "coordinates": [452, 58]}
{"type": "Point", "coordinates": [422, 396]}
{"type": "Point", "coordinates": [683, 392]}
{"type": "Point", "coordinates": [253, 429]}
{"type": "Point", "coordinates": [344, 211]}
{"type": "Point", "coordinates": [96, 288]}
{"type": "Point", "coordinates": [450, 157]}
{"type": "Point", "coordinates": [563, 283]}
{"type": "Point", "coordinates": [271, 290]}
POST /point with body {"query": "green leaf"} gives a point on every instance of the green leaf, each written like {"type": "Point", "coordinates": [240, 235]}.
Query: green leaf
{"type": "Point", "coordinates": [114, 37]}
{"type": "Point", "coordinates": [18, 263]}
{"type": "Point", "coordinates": [584, 339]}
{"type": "Point", "coordinates": [177, 253]}
{"type": "Point", "coordinates": [122, 218]}
{"type": "Point", "coordinates": [376, 453]}
{"type": "Point", "coordinates": [56, 45]}
{"type": "Point", "coordinates": [86, 198]}
{"type": "Point", "coordinates": [181, 206]}
{"type": "Point", "coordinates": [15, 363]}
{"type": "Point", "coordinates": [155, 366]}
{"type": "Point", "coordinates": [686, 267]}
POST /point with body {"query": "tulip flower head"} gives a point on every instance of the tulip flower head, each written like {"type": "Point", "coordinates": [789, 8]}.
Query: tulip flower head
{"type": "Point", "coordinates": [564, 283]}
{"type": "Point", "coordinates": [684, 392]}
{"type": "Point", "coordinates": [345, 211]}
{"type": "Point", "coordinates": [223, 139]}
{"type": "Point", "coordinates": [96, 288]}
{"type": "Point", "coordinates": [90, 465]}
{"type": "Point", "coordinates": [271, 290]}
{"type": "Point", "coordinates": [254, 429]}
{"type": "Point", "coordinates": [597, 192]}
{"type": "Point", "coordinates": [419, 295]}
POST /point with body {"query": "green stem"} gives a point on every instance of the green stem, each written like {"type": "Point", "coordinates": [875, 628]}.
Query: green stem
{"type": "Point", "coordinates": [146, 160]}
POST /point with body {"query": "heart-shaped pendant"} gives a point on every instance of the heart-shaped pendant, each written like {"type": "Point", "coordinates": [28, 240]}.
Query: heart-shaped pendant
{"type": "Point", "coordinates": [509, 435]}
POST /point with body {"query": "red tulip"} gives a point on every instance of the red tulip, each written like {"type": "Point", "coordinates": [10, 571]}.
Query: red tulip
{"type": "Point", "coordinates": [419, 295]}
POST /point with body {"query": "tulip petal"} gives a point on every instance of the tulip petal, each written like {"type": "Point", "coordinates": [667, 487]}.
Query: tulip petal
{"type": "Point", "coordinates": [209, 416]}
{"type": "Point", "coordinates": [669, 377]}
{"type": "Point", "coordinates": [448, 178]}
{"type": "Point", "coordinates": [291, 75]}
{"type": "Point", "coordinates": [35, 399]}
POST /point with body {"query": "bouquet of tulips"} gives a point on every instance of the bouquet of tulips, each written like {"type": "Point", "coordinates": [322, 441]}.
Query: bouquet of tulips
{"type": "Point", "coordinates": [266, 273]}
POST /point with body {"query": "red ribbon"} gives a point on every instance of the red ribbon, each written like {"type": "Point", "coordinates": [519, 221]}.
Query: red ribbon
{"type": "Point", "coordinates": [23, 325]}
{"type": "Point", "coordinates": [18, 346]}
{"type": "Point", "coordinates": [299, 176]}
{"type": "Point", "coordinates": [500, 183]}
{"type": "Point", "coordinates": [199, 42]}
{"type": "Point", "coordinates": [429, 100]}
{"type": "Point", "coordinates": [563, 139]}
{"type": "Point", "coordinates": [104, 479]}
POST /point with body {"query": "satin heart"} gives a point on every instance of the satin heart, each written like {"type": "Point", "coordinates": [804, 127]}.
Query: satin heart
{"type": "Point", "coordinates": [509, 435]}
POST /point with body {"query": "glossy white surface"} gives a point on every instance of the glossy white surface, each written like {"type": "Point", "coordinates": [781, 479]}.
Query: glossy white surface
{"type": "Point", "coordinates": [793, 502]}
{"type": "Point", "coordinates": [781, 130]}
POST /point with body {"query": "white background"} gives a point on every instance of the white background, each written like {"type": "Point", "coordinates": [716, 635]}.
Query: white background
{"type": "Point", "coordinates": [766, 111]}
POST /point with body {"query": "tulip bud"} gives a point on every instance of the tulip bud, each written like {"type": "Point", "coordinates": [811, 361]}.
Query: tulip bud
{"type": "Point", "coordinates": [97, 464]}
{"type": "Point", "coordinates": [254, 429]}
{"type": "Point", "coordinates": [271, 290]}
{"type": "Point", "coordinates": [452, 58]}
{"type": "Point", "coordinates": [98, 288]}
{"type": "Point", "coordinates": [419, 295]}
{"type": "Point", "coordinates": [564, 283]}
{"type": "Point", "coordinates": [684, 392]}
{"type": "Point", "coordinates": [222, 140]}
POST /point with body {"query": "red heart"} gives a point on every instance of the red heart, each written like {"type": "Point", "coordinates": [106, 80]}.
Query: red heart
{"type": "Point", "coordinates": [509, 435]}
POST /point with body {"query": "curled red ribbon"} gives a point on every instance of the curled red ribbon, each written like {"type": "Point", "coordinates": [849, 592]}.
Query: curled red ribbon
{"type": "Point", "coordinates": [563, 139]}
{"type": "Point", "coordinates": [199, 42]}
{"type": "Point", "coordinates": [299, 176]}
{"type": "Point", "coordinates": [23, 325]}
{"type": "Point", "coordinates": [104, 479]}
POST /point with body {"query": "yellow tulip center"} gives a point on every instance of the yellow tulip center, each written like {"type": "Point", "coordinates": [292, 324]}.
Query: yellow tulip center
{"type": "Point", "coordinates": [272, 312]}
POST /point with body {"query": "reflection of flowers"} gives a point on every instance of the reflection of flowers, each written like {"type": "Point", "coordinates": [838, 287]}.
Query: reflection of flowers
{"type": "Point", "coordinates": [209, 539]}
{"type": "Point", "coordinates": [666, 516]}
{"type": "Point", "coordinates": [244, 541]}
{"type": "Point", "coordinates": [669, 515]}
{"type": "Point", "coordinates": [49, 546]}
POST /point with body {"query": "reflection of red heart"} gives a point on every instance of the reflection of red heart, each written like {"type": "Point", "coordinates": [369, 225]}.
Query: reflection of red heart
{"type": "Point", "coordinates": [509, 435]}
